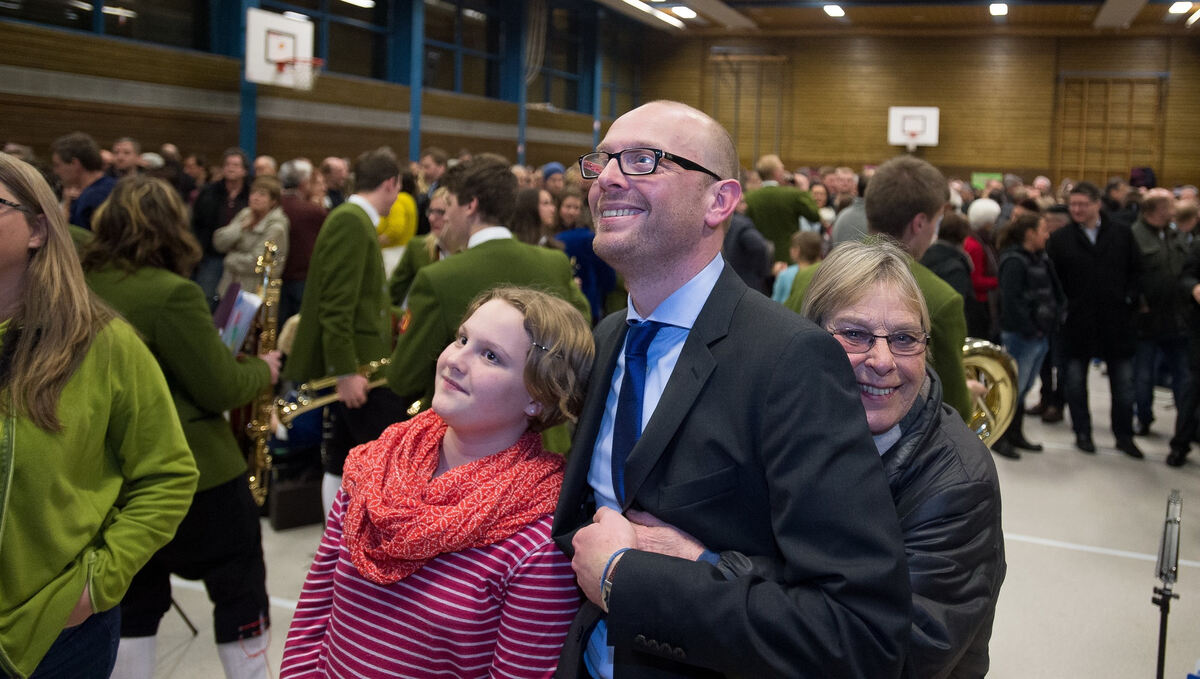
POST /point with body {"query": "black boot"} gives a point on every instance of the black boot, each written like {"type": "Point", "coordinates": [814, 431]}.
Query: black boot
{"type": "Point", "coordinates": [1017, 437]}
{"type": "Point", "coordinates": [1004, 448]}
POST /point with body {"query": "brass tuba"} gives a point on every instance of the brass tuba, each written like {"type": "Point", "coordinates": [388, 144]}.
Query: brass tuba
{"type": "Point", "coordinates": [259, 428]}
{"type": "Point", "coordinates": [991, 366]}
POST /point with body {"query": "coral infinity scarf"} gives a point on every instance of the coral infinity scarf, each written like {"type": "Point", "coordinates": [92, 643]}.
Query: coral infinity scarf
{"type": "Point", "coordinates": [399, 516]}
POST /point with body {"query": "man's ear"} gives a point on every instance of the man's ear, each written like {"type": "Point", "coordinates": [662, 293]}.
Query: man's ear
{"type": "Point", "coordinates": [726, 195]}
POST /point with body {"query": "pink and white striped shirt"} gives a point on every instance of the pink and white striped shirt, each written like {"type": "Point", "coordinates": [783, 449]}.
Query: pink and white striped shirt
{"type": "Point", "coordinates": [497, 611]}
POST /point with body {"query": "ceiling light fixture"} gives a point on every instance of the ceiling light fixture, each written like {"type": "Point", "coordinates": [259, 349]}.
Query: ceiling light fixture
{"type": "Point", "coordinates": [1180, 7]}
{"type": "Point", "coordinates": [684, 12]}
{"type": "Point", "coordinates": [998, 9]}
{"type": "Point", "coordinates": [1192, 19]}
{"type": "Point", "coordinates": [658, 14]}
{"type": "Point", "coordinates": [834, 11]}
{"type": "Point", "coordinates": [365, 4]}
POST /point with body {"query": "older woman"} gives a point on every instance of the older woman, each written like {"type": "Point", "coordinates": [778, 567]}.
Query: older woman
{"type": "Point", "coordinates": [980, 245]}
{"type": "Point", "coordinates": [437, 558]}
{"type": "Point", "coordinates": [95, 473]}
{"type": "Point", "coordinates": [245, 235]}
{"type": "Point", "coordinates": [138, 262]}
{"type": "Point", "coordinates": [942, 477]}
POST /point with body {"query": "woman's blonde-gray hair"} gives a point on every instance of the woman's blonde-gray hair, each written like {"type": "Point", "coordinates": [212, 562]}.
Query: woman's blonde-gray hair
{"type": "Point", "coordinates": [852, 269]}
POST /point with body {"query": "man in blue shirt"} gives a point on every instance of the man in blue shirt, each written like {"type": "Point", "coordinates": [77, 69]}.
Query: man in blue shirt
{"type": "Point", "coordinates": [716, 411]}
{"type": "Point", "coordinates": [76, 161]}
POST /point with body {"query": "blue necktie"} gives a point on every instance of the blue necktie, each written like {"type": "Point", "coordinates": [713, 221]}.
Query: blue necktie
{"type": "Point", "coordinates": [627, 427]}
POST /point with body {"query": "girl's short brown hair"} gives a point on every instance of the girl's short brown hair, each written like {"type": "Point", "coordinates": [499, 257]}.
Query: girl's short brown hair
{"type": "Point", "coordinates": [560, 359]}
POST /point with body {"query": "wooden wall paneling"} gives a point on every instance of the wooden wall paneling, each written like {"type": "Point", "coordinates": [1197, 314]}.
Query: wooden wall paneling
{"type": "Point", "coordinates": [46, 48]}
{"type": "Point", "coordinates": [38, 121]}
{"type": "Point", "coordinates": [676, 71]}
{"type": "Point", "coordinates": [468, 107]}
{"type": "Point", "coordinates": [1112, 54]}
{"type": "Point", "coordinates": [346, 91]}
{"type": "Point", "coordinates": [287, 139]}
{"type": "Point", "coordinates": [1181, 123]}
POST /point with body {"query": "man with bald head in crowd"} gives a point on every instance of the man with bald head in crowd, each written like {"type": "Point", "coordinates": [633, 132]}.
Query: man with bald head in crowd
{"type": "Point", "coordinates": [776, 208]}
{"type": "Point", "coordinates": [714, 410]}
{"type": "Point", "coordinates": [336, 173]}
{"type": "Point", "coordinates": [305, 218]}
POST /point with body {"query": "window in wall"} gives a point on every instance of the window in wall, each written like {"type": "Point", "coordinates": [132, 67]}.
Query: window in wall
{"type": "Point", "coordinates": [166, 22]}
{"type": "Point", "coordinates": [351, 39]}
{"type": "Point", "coordinates": [356, 51]}
{"type": "Point", "coordinates": [1106, 126]}
{"type": "Point", "coordinates": [463, 44]}
{"type": "Point", "coordinates": [620, 56]}
{"type": "Point", "coordinates": [559, 78]}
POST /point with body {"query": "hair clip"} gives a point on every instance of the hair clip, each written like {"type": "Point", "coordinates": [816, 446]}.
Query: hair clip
{"type": "Point", "coordinates": [540, 346]}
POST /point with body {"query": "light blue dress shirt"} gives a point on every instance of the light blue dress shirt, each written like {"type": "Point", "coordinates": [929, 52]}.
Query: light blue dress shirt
{"type": "Point", "coordinates": [679, 311]}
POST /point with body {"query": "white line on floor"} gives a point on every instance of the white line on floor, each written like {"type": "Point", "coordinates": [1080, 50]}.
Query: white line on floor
{"type": "Point", "coordinates": [1046, 542]}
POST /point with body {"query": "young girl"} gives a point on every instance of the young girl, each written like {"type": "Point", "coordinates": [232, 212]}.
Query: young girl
{"type": "Point", "coordinates": [437, 555]}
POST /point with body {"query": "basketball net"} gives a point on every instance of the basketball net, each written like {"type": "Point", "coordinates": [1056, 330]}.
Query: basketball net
{"type": "Point", "coordinates": [304, 71]}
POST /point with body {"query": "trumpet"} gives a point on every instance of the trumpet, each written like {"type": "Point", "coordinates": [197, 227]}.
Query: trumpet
{"type": "Point", "coordinates": [307, 399]}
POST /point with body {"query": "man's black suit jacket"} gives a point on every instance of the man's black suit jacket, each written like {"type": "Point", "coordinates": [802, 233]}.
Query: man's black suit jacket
{"type": "Point", "coordinates": [760, 445]}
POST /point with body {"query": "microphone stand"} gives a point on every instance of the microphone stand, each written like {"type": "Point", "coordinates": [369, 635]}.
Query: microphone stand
{"type": "Point", "coordinates": [1167, 570]}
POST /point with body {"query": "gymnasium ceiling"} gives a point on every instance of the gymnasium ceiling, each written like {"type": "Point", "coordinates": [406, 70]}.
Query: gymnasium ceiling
{"type": "Point", "coordinates": [718, 18]}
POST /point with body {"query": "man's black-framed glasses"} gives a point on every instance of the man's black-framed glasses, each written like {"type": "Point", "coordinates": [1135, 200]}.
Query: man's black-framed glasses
{"type": "Point", "coordinates": [903, 343]}
{"type": "Point", "coordinates": [636, 161]}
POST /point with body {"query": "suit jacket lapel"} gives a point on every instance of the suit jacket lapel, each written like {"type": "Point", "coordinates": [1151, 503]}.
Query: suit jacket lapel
{"type": "Point", "coordinates": [695, 365]}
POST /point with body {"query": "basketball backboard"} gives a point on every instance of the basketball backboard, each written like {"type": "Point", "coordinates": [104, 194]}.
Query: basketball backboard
{"type": "Point", "coordinates": [913, 126]}
{"type": "Point", "coordinates": [273, 39]}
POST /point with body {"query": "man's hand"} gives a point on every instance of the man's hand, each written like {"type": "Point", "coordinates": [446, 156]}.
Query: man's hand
{"type": "Point", "coordinates": [778, 267]}
{"type": "Point", "coordinates": [273, 360]}
{"type": "Point", "coordinates": [660, 537]}
{"type": "Point", "coordinates": [352, 390]}
{"type": "Point", "coordinates": [82, 610]}
{"type": "Point", "coordinates": [594, 544]}
{"type": "Point", "coordinates": [978, 389]}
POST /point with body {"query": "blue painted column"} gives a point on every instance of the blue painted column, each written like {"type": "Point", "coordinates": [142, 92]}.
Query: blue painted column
{"type": "Point", "coordinates": [521, 17]}
{"type": "Point", "coordinates": [594, 49]}
{"type": "Point", "coordinates": [98, 17]}
{"type": "Point", "coordinates": [248, 103]}
{"type": "Point", "coordinates": [416, 76]}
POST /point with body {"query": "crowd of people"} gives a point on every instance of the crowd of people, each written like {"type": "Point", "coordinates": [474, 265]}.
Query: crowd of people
{"type": "Point", "coordinates": [724, 355]}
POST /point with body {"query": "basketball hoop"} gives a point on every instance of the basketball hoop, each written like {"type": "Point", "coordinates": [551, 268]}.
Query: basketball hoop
{"type": "Point", "coordinates": [912, 139]}
{"type": "Point", "coordinates": [304, 71]}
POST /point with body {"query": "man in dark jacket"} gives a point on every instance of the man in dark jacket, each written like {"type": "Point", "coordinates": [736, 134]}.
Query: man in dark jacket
{"type": "Point", "coordinates": [215, 206]}
{"type": "Point", "coordinates": [1160, 326]}
{"type": "Point", "coordinates": [1097, 263]}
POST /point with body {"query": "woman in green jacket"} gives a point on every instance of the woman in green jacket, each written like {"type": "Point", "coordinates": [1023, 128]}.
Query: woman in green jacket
{"type": "Point", "coordinates": [95, 473]}
{"type": "Point", "coordinates": [138, 263]}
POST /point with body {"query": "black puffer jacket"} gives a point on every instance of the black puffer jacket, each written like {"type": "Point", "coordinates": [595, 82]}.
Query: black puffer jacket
{"type": "Point", "coordinates": [947, 496]}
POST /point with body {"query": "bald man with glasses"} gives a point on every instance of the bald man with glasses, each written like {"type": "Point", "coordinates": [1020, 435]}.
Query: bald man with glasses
{"type": "Point", "coordinates": [715, 410]}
